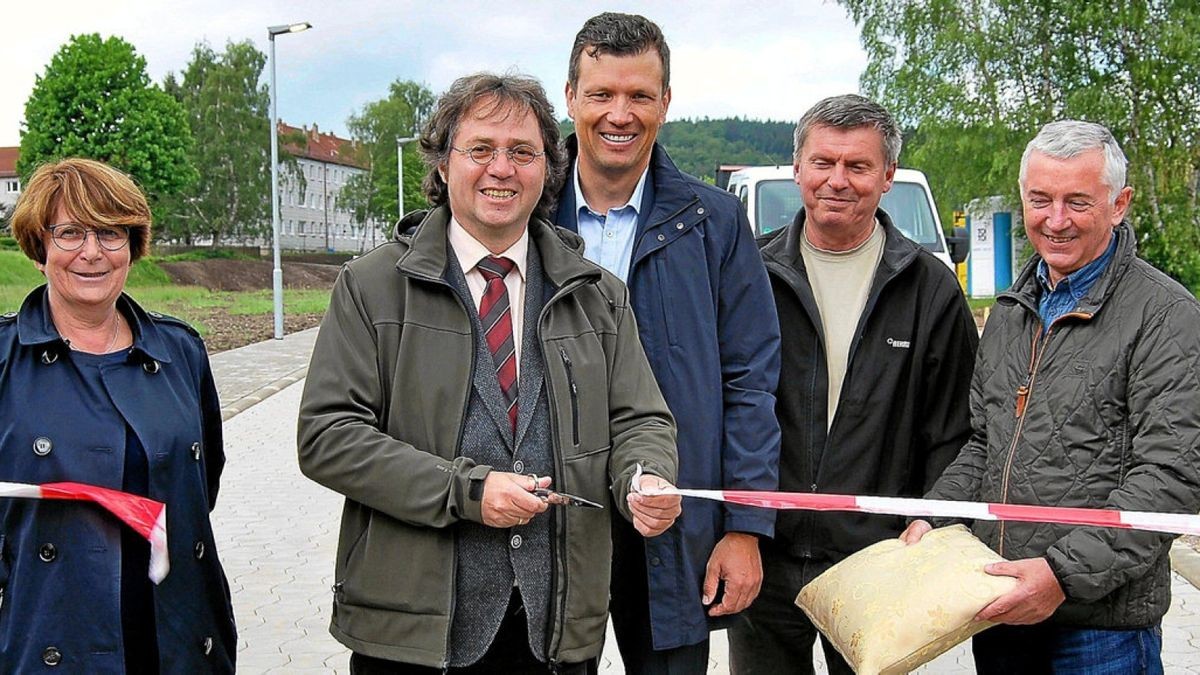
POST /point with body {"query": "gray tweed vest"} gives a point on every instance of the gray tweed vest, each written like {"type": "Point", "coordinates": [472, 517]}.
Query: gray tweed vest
{"type": "Point", "coordinates": [490, 560]}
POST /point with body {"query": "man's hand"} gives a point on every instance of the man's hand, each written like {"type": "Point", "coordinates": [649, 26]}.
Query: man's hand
{"type": "Point", "coordinates": [508, 499]}
{"type": "Point", "coordinates": [915, 530]}
{"type": "Point", "coordinates": [1034, 599]}
{"type": "Point", "coordinates": [653, 514]}
{"type": "Point", "coordinates": [736, 561]}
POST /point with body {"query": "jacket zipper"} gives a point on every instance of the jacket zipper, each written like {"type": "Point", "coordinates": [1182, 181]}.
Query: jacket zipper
{"type": "Point", "coordinates": [1024, 391]}
{"type": "Point", "coordinates": [785, 274]}
{"type": "Point", "coordinates": [574, 395]}
{"type": "Point", "coordinates": [559, 540]}
{"type": "Point", "coordinates": [3, 561]}
{"type": "Point", "coordinates": [458, 444]}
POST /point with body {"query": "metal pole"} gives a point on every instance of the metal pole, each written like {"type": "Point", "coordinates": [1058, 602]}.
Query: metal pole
{"type": "Point", "coordinates": [400, 175]}
{"type": "Point", "coordinates": [277, 272]}
{"type": "Point", "coordinates": [325, 199]}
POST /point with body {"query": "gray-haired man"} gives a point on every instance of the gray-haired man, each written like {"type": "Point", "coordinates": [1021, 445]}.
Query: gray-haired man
{"type": "Point", "coordinates": [462, 372]}
{"type": "Point", "coordinates": [1086, 393]}
{"type": "Point", "coordinates": [878, 345]}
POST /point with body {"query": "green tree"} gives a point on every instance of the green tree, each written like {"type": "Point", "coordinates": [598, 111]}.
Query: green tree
{"type": "Point", "coordinates": [699, 146]}
{"type": "Point", "coordinates": [95, 100]}
{"type": "Point", "coordinates": [373, 195]}
{"type": "Point", "coordinates": [227, 114]}
{"type": "Point", "coordinates": [974, 80]}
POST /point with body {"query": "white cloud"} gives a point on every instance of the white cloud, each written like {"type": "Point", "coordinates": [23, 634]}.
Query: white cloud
{"type": "Point", "coordinates": [753, 59]}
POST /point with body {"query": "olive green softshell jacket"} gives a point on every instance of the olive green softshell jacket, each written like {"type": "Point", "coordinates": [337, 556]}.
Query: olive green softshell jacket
{"type": "Point", "coordinates": [1111, 420]}
{"type": "Point", "coordinates": [383, 411]}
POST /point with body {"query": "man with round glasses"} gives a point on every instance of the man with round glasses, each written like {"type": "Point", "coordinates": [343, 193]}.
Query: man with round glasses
{"type": "Point", "coordinates": [484, 154]}
{"type": "Point", "coordinates": [476, 384]}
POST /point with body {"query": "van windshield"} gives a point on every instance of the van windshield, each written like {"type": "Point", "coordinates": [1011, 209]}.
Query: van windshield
{"type": "Point", "coordinates": [779, 200]}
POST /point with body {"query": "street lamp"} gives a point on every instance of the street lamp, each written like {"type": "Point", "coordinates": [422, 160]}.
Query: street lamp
{"type": "Point", "coordinates": [400, 173]}
{"type": "Point", "coordinates": [277, 273]}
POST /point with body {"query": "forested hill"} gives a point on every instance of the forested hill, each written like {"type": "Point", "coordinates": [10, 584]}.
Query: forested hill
{"type": "Point", "coordinates": [698, 146]}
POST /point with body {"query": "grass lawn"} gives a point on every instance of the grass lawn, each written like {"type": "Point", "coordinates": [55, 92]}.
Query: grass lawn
{"type": "Point", "coordinates": [151, 287]}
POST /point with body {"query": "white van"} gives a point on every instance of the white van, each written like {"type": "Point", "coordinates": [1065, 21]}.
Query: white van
{"type": "Point", "coordinates": [771, 199]}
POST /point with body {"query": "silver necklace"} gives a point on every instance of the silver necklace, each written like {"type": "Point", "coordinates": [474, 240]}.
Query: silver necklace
{"type": "Point", "coordinates": [116, 330]}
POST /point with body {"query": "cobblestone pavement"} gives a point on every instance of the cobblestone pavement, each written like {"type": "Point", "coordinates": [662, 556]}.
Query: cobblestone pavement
{"type": "Point", "coordinates": [248, 375]}
{"type": "Point", "coordinates": [277, 534]}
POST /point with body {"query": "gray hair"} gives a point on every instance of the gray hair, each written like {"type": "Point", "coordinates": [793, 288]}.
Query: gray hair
{"type": "Point", "coordinates": [1069, 138]}
{"type": "Point", "coordinates": [508, 94]}
{"type": "Point", "coordinates": [847, 112]}
{"type": "Point", "coordinates": [620, 35]}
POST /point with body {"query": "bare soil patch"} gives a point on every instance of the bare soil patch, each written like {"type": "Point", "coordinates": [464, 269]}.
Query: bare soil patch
{"type": "Point", "coordinates": [248, 275]}
{"type": "Point", "coordinates": [229, 331]}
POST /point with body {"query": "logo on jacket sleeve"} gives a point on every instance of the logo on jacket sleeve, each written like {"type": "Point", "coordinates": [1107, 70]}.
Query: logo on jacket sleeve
{"type": "Point", "coordinates": [899, 344]}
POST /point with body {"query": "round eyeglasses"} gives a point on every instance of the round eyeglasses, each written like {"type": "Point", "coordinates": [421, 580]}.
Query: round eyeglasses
{"type": "Point", "coordinates": [482, 154]}
{"type": "Point", "coordinates": [71, 237]}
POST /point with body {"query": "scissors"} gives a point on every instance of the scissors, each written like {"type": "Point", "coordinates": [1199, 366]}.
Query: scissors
{"type": "Point", "coordinates": [561, 498]}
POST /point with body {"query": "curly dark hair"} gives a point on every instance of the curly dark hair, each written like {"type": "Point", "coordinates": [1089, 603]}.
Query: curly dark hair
{"type": "Point", "coordinates": [508, 93]}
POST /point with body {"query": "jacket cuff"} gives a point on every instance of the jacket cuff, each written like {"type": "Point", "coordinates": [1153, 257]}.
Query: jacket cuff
{"type": "Point", "coordinates": [1058, 567]}
{"type": "Point", "coordinates": [750, 519]}
{"type": "Point", "coordinates": [473, 505]}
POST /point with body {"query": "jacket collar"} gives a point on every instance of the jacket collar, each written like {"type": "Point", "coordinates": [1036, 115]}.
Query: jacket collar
{"type": "Point", "coordinates": [35, 327]}
{"type": "Point", "coordinates": [426, 248]}
{"type": "Point", "coordinates": [783, 247]}
{"type": "Point", "coordinates": [1026, 289]}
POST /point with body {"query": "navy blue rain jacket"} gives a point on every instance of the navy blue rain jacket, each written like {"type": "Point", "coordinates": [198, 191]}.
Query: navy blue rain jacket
{"type": "Point", "coordinates": [60, 561]}
{"type": "Point", "coordinates": [708, 324]}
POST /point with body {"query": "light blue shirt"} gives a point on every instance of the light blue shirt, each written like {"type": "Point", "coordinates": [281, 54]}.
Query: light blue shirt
{"type": "Point", "coordinates": [608, 238]}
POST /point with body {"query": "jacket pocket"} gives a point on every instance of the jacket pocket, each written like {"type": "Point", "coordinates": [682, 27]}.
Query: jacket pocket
{"type": "Point", "coordinates": [398, 567]}
{"type": "Point", "coordinates": [589, 544]}
{"type": "Point", "coordinates": [580, 382]}
{"type": "Point", "coordinates": [573, 388]}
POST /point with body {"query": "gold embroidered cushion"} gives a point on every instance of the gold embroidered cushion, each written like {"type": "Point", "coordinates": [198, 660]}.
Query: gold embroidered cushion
{"type": "Point", "coordinates": [890, 608]}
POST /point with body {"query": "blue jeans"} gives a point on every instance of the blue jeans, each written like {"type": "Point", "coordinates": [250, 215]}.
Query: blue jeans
{"type": "Point", "coordinates": [1063, 650]}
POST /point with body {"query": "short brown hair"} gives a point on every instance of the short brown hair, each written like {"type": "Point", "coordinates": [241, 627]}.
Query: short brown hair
{"type": "Point", "coordinates": [508, 93]}
{"type": "Point", "coordinates": [91, 191]}
{"type": "Point", "coordinates": [620, 35]}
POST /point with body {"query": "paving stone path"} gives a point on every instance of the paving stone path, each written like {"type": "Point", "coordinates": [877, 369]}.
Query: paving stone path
{"type": "Point", "coordinates": [277, 534]}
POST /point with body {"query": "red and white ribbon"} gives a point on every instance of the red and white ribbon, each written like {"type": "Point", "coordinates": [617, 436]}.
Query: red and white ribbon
{"type": "Point", "coordinates": [1173, 523]}
{"type": "Point", "coordinates": [146, 516]}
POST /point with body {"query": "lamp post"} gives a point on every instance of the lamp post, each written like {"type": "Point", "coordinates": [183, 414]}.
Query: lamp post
{"type": "Point", "coordinates": [400, 174]}
{"type": "Point", "coordinates": [277, 273]}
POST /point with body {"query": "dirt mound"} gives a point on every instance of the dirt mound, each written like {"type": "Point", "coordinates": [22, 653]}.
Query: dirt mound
{"type": "Point", "coordinates": [248, 275]}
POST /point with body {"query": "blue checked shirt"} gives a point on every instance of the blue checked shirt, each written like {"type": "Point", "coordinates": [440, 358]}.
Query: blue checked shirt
{"type": "Point", "coordinates": [1062, 298]}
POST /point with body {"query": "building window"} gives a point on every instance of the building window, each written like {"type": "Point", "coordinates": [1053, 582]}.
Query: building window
{"type": "Point", "coordinates": [13, 186]}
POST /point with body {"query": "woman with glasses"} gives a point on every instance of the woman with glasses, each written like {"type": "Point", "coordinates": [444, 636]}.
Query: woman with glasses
{"type": "Point", "coordinates": [96, 390]}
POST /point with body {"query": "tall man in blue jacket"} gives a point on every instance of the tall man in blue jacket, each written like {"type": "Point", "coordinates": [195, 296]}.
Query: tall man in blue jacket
{"type": "Point", "coordinates": [705, 315]}
{"type": "Point", "coordinates": [878, 353]}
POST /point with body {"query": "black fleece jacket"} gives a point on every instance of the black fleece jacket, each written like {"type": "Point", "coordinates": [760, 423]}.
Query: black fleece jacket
{"type": "Point", "coordinates": [903, 413]}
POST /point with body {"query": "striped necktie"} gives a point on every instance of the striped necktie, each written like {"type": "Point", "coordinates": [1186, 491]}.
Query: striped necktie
{"type": "Point", "coordinates": [498, 328]}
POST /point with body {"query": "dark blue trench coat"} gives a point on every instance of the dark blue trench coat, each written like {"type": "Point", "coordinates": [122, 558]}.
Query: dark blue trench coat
{"type": "Point", "coordinates": [60, 562]}
{"type": "Point", "coordinates": [707, 320]}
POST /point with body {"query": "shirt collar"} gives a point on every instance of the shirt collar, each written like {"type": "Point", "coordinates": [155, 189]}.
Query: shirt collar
{"type": "Point", "coordinates": [635, 199]}
{"type": "Point", "coordinates": [469, 251]}
{"type": "Point", "coordinates": [1079, 282]}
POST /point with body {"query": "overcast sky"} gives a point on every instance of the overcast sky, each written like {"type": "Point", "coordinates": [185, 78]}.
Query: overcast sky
{"type": "Point", "coordinates": [760, 60]}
